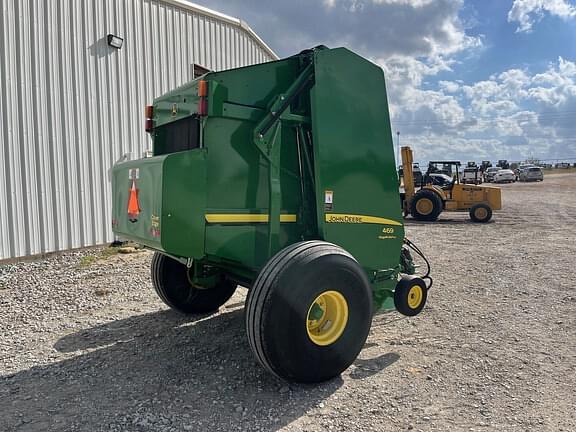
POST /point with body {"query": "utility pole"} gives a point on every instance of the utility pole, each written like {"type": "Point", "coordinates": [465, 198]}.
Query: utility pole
{"type": "Point", "coordinates": [398, 148]}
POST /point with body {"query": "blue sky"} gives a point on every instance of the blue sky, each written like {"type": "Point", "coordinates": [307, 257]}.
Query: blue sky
{"type": "Point", "coordinates": [471, 80]}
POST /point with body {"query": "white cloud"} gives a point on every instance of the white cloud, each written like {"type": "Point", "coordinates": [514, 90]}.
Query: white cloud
{"type": "Point", "coordinates": [528, 12]}
{"type": "Point", "coordinates": [482, 90]}
{"type": "Point", "coordinates": [372, 28]}
{"type": "Point", "coordinates": [449, 86]}
{"type": "Point", "coordinates": [415, 3]}
{"type": "Point", "coordinates": [408, 71]}
{"type": "Point", "coordinates": [447, 146]}
{"type": "Point", "coordinates": [404, 76]}
{"type": "Point", "coordinates": [556, 87]}
{"type": "Point", "coordinates": [459, 120]}
{"type": "Point", "coordinates": [514, 80]}
{"type": "Point", "coordinates": [488, 108]}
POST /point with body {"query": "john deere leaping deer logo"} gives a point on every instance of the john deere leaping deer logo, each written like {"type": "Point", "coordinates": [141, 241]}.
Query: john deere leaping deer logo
{"type": "Point", "coordinates": [133, 204]}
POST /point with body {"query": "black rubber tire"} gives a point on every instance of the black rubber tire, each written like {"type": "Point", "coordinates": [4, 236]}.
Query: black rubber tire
{"type": "Point", "coordinates": [402, 295]}
{"type": "Point", "coordinates": [436, 205]}
{"type": "Point", "coordinates": [478, 219]}
{"type": "Point", "coordinates": [170, 280]}
{"type": "Point", "coordinates": [277, 309]}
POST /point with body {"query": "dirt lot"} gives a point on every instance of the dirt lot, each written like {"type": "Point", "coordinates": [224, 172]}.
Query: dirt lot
{"type": "Point", "coordinates": [88, 346]}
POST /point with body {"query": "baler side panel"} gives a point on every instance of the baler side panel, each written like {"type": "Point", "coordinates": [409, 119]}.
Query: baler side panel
{"type": "Point", "coordinates": [238, 172]}
{"type": "Point", "coordinates": [356, 183]}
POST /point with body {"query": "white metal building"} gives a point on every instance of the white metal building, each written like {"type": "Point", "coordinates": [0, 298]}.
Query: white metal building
{"type": "Point", "coordinates": [71, 104]}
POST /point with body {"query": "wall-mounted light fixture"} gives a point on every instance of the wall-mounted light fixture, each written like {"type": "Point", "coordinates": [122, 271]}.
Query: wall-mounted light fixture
{"type": "Point", "coordinates": [115, 41]}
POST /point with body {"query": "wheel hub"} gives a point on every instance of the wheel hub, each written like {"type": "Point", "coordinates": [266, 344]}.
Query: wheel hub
{"type": "Point", "coordinates": [415, 296]}
{"type": "Point", "coordinates": [327, 318]}
{"type": "Point", "coordinates": [424, 206]}
{"type": "Point", "coordinates": [481, 213]}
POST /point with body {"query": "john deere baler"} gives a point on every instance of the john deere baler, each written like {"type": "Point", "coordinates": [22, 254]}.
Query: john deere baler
{"type": "Point", "coordinates": [279, 177]}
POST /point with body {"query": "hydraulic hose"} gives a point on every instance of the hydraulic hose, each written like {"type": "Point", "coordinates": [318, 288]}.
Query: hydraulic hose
{"type": "Point", "coordinates": [417, 250]}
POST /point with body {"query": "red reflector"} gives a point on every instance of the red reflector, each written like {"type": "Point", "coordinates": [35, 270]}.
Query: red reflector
{"type": "Point", "coordinates": [149, 125]}
{"type": "Point", "coordinates": [149, 111]}
{"type": "Point", "coordinates": [202, 88]}
{"type": "Point", "coordinates": [202, 106]}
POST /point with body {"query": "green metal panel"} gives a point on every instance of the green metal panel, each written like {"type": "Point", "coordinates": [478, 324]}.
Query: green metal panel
{"type": "Point", "coordinates": [237, 172]}
{"type": "Point", "coordinates": [248, 86]}
{"type": "Point", "coordinates": [256, 85]}
{"type": "Point", "coordinates": [354, 159]}
{"type": "Point", "coordinates": [147, 175]}
{"type": "Point", "coordinates": [184, 203]}
{"type": "Point", "coordinates": [245, 244]}
{"type": "Point", "coordinates": [171, 198]}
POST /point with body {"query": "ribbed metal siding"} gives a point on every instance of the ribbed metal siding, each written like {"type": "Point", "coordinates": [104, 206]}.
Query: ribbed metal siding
{"type": "Point", "coordinates": [70, 106]}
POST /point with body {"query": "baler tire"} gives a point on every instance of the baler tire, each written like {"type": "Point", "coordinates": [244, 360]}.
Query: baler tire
{"type": "Point", "coordinates": [170, 280]}
{"type": "Point", "coordinates": [484, 215]}
{"type": "Point", "coordinates": [410, 295]}
{"type": "Point", "coordinates": [278, 312]}
{"type": "Point", "coordinates": [435, 201]}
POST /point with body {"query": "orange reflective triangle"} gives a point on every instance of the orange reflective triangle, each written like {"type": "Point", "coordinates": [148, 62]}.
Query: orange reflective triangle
{"type": "Point", "coordinates": [133, 205]}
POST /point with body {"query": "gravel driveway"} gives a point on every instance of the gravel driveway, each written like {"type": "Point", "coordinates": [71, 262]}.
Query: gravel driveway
{"type": "Point", "coordinates": [87, 346]}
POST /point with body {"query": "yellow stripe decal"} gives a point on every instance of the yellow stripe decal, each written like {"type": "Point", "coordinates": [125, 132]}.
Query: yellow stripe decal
{"type": "Point", "coordinates": [245, 218]}
{"type": "Point", "coordinates": [359, 219]}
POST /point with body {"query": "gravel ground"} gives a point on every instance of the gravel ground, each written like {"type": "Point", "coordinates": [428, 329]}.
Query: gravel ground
{"type": "Point", "coordinates": [88, 346]}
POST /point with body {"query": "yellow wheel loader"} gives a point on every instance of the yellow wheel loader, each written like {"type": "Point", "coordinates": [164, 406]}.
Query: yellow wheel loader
{"type": "Point", "coordinates": [430, 200]}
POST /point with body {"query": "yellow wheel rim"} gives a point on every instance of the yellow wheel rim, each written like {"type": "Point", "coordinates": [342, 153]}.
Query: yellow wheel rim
{"type": "Point", "coordinates": [424, 206]}
{"type": "Point", "coordinates": [481, 213]}
{"type": "Point", "coordinates": [415, 296]}
{"type": "Point", "coordinates": [327, 318]}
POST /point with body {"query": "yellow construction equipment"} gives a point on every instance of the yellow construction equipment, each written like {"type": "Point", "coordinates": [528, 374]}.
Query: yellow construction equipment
{"type": "Point", "coordinates": [430, 200]}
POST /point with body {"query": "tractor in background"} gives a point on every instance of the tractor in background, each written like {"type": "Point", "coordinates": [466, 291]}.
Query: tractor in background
{"type": "Point", "coordinates": [430, 200]}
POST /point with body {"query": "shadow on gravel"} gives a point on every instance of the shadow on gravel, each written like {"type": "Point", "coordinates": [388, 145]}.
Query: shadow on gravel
{"type": "Point", "coordinates": [367, 368]}
{"type": "Point", "coordinates": [158, 371]}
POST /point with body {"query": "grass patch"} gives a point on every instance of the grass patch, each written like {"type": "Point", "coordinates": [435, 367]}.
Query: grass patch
{"type": "Point", "coordinates": [108, 252]}
{"type": "Point", "coordinates": [88, 260]}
